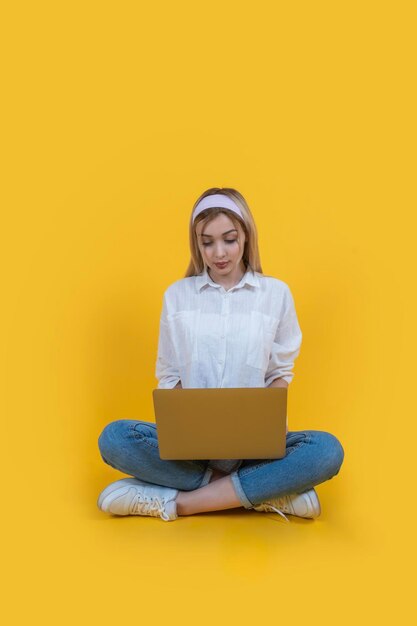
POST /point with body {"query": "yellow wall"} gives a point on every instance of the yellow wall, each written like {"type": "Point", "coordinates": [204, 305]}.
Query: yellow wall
{"type": "Point", "coordinates": [116, 117]}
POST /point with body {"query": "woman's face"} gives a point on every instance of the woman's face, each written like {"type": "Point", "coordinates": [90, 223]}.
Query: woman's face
{"type": "Point", "coordinates": [218, 243]}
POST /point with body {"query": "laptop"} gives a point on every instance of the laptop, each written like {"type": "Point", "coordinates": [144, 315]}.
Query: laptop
{"type": "Point", "coordinates": [221, 423]}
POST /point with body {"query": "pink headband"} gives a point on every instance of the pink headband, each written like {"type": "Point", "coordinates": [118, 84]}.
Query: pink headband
{"type": "Point", "coordinates": [216, 200]}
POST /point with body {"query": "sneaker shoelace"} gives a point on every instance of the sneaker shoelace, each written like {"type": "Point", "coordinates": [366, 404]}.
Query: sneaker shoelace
{"type": "Point", "coordinates": [267, 506]}
{"type": "Point", "coordinates": [147, 505]}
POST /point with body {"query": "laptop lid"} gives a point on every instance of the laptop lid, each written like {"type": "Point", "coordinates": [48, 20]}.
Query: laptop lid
{"type": "Point", "coordinates": [221, 423]}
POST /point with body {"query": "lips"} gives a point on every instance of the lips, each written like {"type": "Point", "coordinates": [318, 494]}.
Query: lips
{"type": "Point", "coordinates": [221, 264]}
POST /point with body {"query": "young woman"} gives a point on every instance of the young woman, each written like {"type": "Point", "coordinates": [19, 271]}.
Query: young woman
{"type": "Point", "coordinates": [225, 324]}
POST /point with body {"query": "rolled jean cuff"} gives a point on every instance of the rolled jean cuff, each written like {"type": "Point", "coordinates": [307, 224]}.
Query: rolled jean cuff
{"type": "Point", "coordinates": [239, 491]}
{"type": "Point", "coordinates": [206, 477]}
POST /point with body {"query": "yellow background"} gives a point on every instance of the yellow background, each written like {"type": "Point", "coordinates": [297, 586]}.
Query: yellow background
{"type": "Point", "coordinates": [116, 116]}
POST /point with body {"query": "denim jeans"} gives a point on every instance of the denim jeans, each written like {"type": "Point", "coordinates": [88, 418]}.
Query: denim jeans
{"type": "Point", "coordinates": [312, 457]}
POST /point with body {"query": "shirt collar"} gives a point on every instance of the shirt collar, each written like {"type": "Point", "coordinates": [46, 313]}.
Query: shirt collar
{"type": "Point", "coordinates": [249, 278]}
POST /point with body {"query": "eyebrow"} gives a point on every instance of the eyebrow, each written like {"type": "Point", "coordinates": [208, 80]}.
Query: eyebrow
{"type": "Point", "coordinates": [227, 231]}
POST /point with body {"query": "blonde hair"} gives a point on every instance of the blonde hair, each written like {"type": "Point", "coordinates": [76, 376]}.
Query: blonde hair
{"type": "Point", "coordinates": [250, 253]}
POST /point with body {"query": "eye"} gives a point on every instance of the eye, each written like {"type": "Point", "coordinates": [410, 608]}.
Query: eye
{"type": "Point", "coordinates": [226, 240]}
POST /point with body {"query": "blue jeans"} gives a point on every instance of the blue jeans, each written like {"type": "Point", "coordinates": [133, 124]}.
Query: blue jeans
{"type": "Point", "coordinates": [312, 457]}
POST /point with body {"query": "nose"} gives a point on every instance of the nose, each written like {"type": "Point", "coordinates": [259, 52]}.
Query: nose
{"type": "Point", "coordinates": [219, 251]}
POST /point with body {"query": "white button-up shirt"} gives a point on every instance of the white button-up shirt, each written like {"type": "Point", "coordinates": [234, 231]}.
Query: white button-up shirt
{"type": "Point", "coordinates": [245, 336]}
{"type": "Point", "coordinates": [212, 337]}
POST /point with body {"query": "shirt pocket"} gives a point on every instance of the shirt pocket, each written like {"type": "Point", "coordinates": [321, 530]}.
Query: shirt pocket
{"type": "Point", "coordinates": [262, 329]}
{"type": "Point", "coordinates": [183, 331]}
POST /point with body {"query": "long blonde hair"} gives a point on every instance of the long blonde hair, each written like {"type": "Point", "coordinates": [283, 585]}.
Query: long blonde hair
{"type": "Point", "coordinates": [250, 257]}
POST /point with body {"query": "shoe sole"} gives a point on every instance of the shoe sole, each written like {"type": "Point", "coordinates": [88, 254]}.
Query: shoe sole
{"type": "Point", "coordinates": [123, 482]}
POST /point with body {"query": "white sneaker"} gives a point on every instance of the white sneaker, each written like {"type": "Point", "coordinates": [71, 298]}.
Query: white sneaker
{"type": "Point", "coordinates": [304, 504]}
{"type": "Point", "coordinates": [130, 496]}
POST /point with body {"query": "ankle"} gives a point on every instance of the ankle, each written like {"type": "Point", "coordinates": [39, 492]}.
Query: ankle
{"type": "Point", "coordinates": [181, 502]}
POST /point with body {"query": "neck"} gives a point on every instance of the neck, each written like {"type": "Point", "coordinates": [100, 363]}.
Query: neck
{"type": "Point", "coordinates": [229, 281]}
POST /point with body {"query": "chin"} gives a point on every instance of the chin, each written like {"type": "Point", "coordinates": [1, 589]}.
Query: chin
{"type": "Point", "coordinates": [228, 268]}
